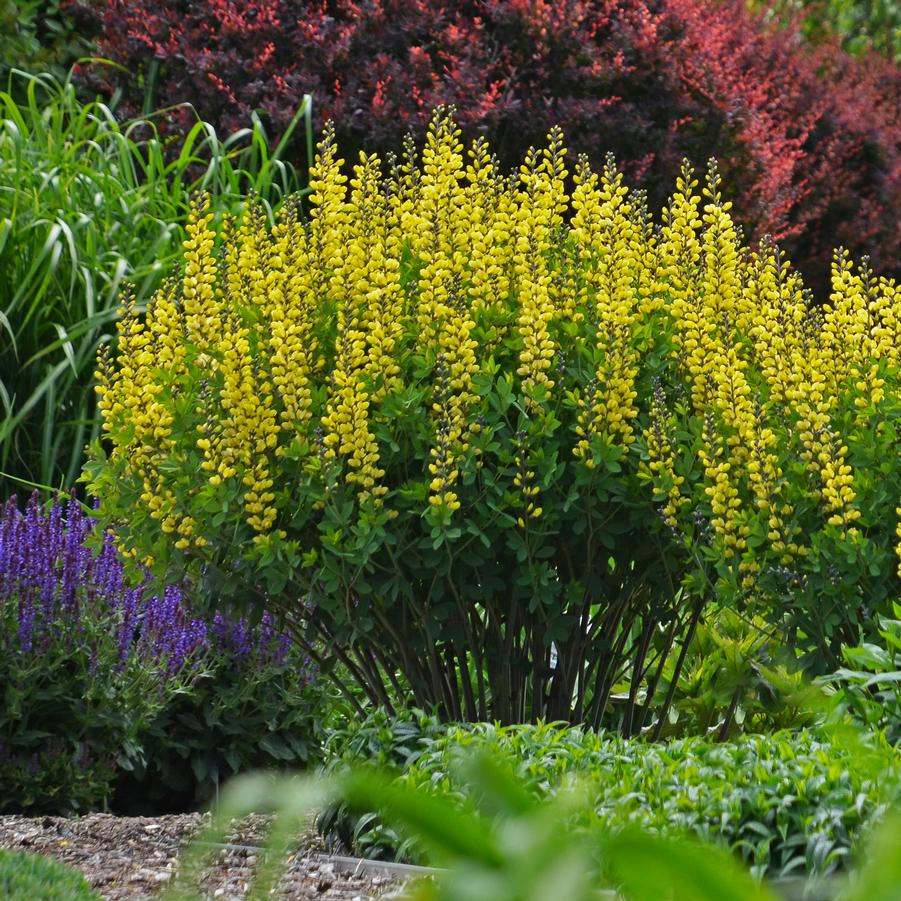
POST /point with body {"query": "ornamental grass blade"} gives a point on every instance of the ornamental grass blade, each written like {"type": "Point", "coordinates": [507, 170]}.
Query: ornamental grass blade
{"type": "Point", "coordinates": [652, 868]}
{"type": "Point", "coordinates": [4, 321]}
{"type": "Point", "coordinates": [6, 227]}
{"type": "Point", "coordinates": [453, 834]}
{"type": "Point", "coordinates": [880, 877]}
{"type": "Point", "coordinates": [43, 387]}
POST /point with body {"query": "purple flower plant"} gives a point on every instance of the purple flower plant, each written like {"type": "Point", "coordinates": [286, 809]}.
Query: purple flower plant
{"type": "Point", "coordinates": [92, 661]}
{"type": "Point", "coordinates": [263, 646]}
{"type": "Point", "coordinates": [50, 575]}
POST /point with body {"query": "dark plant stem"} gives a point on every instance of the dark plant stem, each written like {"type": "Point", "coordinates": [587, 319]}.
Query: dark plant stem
{"type": "Point", "coordinates": [638, 663]}
{"type": "Point", "coordinates": [319, 660]}
{"type": "Point", "coordinates": [683, 653]}
{"type": "Point", "coordinates": [730, 714]}
{"type": "Point", "coordinates": [655, 681]}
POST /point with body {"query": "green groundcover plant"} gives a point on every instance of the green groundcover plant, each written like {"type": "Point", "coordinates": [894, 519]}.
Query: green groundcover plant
{"type": "Point", "coordinates": [31, 877]}
{"type": "Point", "coordinates": [792, 803]}
{"type": "Point", "coordinates": [88, 204]}
{"type": "Point", "coordinates": [508, 845]}
{"type": "Point", "coordinates": [868, 687]}
{"type": "Point", "coordinates": [495, 442]}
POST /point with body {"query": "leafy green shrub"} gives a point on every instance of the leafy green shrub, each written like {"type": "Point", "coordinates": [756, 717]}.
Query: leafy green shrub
{"type": "Point", "coordinates": [43, 35]}
{"type": "Point", "coordinates": [788, 803]}
{"type": "Point", "coordinates": [31, 877]}
{"type": "Point", "coordinates": [256, 705]}
{"type": "Point", "coordinates": [509, 845]}
{"type": "Point", "coordinates": [734, 678]}
{"type": "Point", "coordinates": [498, 463]}
{"type": "Point", "coordinates": [869, 685]}
{"type": "Point", "coordinates": [88, 204]}
{"type": "Point", "coordinates": [860, 25]}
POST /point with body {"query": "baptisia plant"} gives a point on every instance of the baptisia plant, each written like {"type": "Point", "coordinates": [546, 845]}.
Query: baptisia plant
{"type": "Point", "coordinates": [493, 441]}
{"type": "Point", "coordinates": [86, 660]}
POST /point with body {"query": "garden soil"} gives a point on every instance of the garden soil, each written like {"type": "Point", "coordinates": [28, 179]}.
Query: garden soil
{"type": "Point", "coordinates": [134, 858]}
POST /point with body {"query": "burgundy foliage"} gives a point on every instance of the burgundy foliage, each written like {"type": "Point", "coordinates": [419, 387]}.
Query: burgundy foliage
{"type": "Point", "coordinates": [809, 140]}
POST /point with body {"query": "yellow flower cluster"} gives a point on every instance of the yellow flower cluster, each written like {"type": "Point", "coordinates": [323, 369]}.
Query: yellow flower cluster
{"type": "Point", "coordinates": [200, 305]}
{"type": "Point", "coordinates": [614, 256]}
{"type": "Point", "coordinates": [290, 306]}
{"type": "Point", "coordinates": [662, 458]}
{"type": "Point", "coordinates": [541, 202]}
{"type": "Point", "coordinates": [490, 227]}
{"type": "Point", "coordinates": [423, 285]}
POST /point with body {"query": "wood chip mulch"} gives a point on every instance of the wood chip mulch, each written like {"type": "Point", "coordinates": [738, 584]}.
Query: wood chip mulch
{"type": "Point", "coordinates": [133, 858]}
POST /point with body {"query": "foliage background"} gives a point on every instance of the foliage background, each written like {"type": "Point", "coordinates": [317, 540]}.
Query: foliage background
{"type": "Point", "coordinates": [807, 137]}
{"type": "Point", "coordinates": [91, 209]}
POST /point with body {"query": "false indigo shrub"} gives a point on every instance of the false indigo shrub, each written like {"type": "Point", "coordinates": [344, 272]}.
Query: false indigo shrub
{"type": "Point", "coordinates": [255, 706]}
{"type": "Point", "coordinates": [448, 434]}
{"type": "Point", "coordinates": [87, 661]}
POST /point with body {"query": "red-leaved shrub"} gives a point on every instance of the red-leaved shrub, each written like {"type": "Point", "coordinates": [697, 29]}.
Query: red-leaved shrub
{"type": "Point", "coordinates": [809, 138]}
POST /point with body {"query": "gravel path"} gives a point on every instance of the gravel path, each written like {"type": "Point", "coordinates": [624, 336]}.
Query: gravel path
{"type": "Point", "coordinates": [134, 857]}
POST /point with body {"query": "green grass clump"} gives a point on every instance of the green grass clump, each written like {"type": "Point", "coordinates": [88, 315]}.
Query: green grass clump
{"type": "Point", "coordinates": [88, 205]}
{"type": "Point", "coordinates": [30, 877]}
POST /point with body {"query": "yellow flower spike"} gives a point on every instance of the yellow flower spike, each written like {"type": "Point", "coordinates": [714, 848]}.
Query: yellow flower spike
{"type": "Point", "coordinates": [329, 215]}
{"type": "Point", "coordinates": [541, 199]}
{"type": "Point", "coordinates": [345, 423]}
{"type": "Point", "coordinates": [612, 248]}
{"type": "Point", "coordinates": [490, 229]}
{"type": "Point", "coordinates": [659, 443]}
{"type": "Point", "coordinates": [202, 308]}
{"type": "Point", "coordinates": [370, 272]}
{"type": "Point", "coordinates": [411, 288]}
{"type": "Point", "coordinates": [292, 310]}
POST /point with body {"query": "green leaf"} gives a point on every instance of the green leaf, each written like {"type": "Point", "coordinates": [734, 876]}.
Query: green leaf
{"type": "Point", "coordinates": [451, 833]}
{"type": "Point", "coordinates": [651, 867]}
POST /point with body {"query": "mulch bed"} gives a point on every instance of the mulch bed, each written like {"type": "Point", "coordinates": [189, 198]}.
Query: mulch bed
{"type": "Point", "coordinates": [133, 858]}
